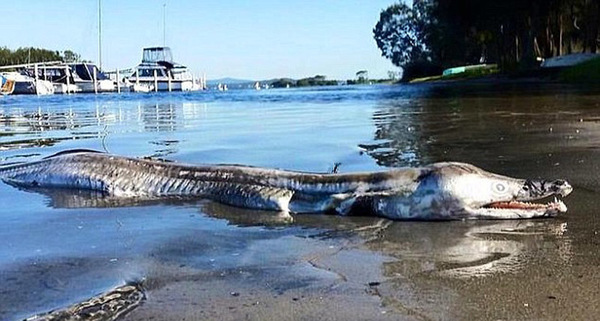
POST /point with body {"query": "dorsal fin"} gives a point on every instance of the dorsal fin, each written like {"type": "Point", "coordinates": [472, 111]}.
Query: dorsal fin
{"type": "Point", "coordinates": [73, 151]}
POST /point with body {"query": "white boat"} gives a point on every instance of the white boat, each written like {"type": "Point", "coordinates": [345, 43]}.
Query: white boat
{"type": "Point", "coordinates": [142, 88]}
{"type": "Point", "coordinates": [25, 84]}
{"type": "Point", "coordinates": [84, 75]}
{"type": "Point", "coordinates": [161, 73]}
{"type": "Point", "coordinates": [58, 74]}
{"type": "Point", "coordinates": [64, 88]}
{"type": "Point", "coordinates": [74, 78]}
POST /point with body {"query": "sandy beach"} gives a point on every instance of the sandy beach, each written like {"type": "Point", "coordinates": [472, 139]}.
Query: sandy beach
{"type": "Point", "coordinates": [205, 261]}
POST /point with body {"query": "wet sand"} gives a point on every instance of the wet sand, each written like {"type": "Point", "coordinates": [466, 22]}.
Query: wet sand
{"type": "Point", "coordinates": [498, 270]}
{"type": "Point", "coordinates": [207, 261]}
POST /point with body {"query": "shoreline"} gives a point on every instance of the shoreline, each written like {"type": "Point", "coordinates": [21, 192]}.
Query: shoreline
{"type": "Point", "coordinates": [299, 284]}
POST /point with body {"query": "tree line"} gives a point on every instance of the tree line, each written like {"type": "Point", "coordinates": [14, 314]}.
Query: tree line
{"type": "Point", "coordinates": [31, 55]}
{"type": "Point", "coordinates": [436, 34]}
{"type": "Point", "coordinates": [318, 80]}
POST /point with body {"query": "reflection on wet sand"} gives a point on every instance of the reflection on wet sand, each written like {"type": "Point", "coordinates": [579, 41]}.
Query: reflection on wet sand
{"type": "Point", "coordinates": [78, 198]}
{"type": "Point", "coordinates": [436, 268]}
{"type": "Point", "coordinates": [494, 270]}
{"type": "Point", "coordinates": [487, 131]}
{"type": "Point", "coordinates": [418, 252]}
{"type": "Point", "coordinates": [469, 248]}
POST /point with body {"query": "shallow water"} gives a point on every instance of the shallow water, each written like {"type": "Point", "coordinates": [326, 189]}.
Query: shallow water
{"type": "Point", "coordinates": [62, 247]}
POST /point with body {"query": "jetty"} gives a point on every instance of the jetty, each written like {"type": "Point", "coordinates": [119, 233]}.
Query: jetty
{"type": "Point", "coordinates": [156, 72]}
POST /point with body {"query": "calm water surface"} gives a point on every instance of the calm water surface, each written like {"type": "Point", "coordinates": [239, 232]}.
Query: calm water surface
{"type": "Point", "coordinates": [59, 248]}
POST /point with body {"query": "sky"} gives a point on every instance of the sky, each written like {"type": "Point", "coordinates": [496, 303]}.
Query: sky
{"type": "Point", "coordinates": [234, 38]}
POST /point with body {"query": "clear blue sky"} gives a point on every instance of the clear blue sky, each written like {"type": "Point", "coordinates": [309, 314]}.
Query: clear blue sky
{"type": "Point", "coordinates": [233, 38]}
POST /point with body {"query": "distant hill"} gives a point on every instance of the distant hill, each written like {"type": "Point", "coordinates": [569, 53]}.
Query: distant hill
{"type": "Point", "coordinates": [228, 81]}
{"type": "Point", "coordinates": [234, 83]}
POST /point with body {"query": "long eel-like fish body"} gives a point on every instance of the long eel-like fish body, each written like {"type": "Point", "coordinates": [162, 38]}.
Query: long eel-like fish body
{"type": "Point", "coordinates": [438, 191]}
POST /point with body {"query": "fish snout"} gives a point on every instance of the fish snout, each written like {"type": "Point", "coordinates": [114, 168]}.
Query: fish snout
{"type": "Point", "coordinates": [543, 188]}
{"type": "Point", "coordinates": [562, 187]}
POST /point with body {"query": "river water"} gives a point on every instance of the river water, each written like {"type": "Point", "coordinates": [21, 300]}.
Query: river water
{"type": "Point", "coordinates": [205, 260]}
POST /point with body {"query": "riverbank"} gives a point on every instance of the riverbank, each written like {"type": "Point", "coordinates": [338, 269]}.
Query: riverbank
{"type": "Point", "coordinates": [587, 72]}
{"type": "Point", "coordinates": [205, 260]}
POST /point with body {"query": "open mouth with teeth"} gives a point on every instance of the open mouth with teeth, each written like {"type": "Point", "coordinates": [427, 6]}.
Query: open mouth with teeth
{"type": "Point", "coordinates": [521, 207]}
{"type": "Point", "coordinates": [554, 206]}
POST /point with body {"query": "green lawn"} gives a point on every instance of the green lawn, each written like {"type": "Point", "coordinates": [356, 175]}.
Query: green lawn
{"type": "Point", "coordinates": [469, 73]}
{"type": "Point", "coordinates": [587, 72]}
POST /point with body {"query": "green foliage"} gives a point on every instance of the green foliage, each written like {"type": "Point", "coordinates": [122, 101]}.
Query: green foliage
{"type": "Point", "coordinates": [399, 35]}
{"type": "Point", "coordinates": [420, 68]}
{"type": "Point", "coordinates": [362, 77]}
{"type": "Point", "coordinates": [70, 56]}
{"type": "Point", "coordinates": [586, 73]}
{"type": "Point", "coordinates": [283, 83]}
{"type": "Point", "coordinates": [31, 55]}
{"type": "Point", "coordinates": [370, 81]}
{"type": "Point", "coordinates": [511, 33]}
{"type": "Point", "coordinates": [317, 80]}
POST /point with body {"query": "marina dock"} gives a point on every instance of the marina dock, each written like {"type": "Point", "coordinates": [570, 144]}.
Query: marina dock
{"type": "Point", "coordinates": [156, 72]}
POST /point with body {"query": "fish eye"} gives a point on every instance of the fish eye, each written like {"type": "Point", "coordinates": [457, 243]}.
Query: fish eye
{"type": "Point", "coordinates": [499, 187]}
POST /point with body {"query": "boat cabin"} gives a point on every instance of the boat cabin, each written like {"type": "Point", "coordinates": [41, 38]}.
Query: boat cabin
{"type": "Point", "coordinates": [157, 54]}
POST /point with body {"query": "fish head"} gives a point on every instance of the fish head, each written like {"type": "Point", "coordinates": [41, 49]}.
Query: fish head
{"type": "Point", "coordinates": [470, 192]}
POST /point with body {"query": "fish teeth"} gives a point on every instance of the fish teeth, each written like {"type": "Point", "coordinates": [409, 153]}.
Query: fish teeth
{"type": "Point", "coordinates": [561, 206]}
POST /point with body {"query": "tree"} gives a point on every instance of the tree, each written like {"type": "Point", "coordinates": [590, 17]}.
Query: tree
{"type": "Point", "coordinates": [33, 55]}
{"type": "Point", "coordinates": [69, 56]}
{"type": "Point", "coordinates": [318, 80]}
{"type": "Point", "coordinates": [402, 34]}
{"type": "Point", "coordinates": [362, 76]}
{"type": "Point", "coordinates": [515, 34]}
{"type": "Point", "coordinates": [398, 35]}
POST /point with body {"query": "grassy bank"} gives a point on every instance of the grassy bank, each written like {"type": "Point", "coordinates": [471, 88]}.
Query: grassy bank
{"type": "Point", "coordinates": [587, 72]}
{"type": "Point", "coordinates": [467, 74]}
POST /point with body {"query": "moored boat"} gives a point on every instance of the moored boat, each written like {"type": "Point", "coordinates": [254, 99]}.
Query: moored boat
{"type": "Point", "coordinates": [25, 84]}
{"type": "Point", "coordinates": [89, 78]}
{"type": "Point", "coordinates": [159, 72]}
{"type": "Point", "coordinates": [74, 77]}
{"type": "Point", "coordinates": [6, 86]}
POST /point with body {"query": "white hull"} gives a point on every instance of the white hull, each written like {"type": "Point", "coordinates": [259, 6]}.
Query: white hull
{"type": "Point", "coordinates": [163, 85]}
{"type": "Point", "coordinates": [103, 86]}
{"type": "Point", "coordinates": [64, 88]}
{"type": "Point", "coordinates": [28, 85]}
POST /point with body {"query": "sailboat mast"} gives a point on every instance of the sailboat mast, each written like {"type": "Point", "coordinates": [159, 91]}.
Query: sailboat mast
{"type": "Point", "coordinates": [164, 24]}
{"type": "Point", "coordinates": [100, 33]}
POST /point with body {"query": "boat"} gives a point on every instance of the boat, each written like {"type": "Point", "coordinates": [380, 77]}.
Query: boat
{"type": "Point", "coordinates": [469, 68]}
{"type": "Point", "coordinates": [568, 60]}
{"type": "Point", "coordinates": [59, 75]}
{"type": "Point", "coordinates": [74, 78]}
{"type": "Point", "coordinates": [159, 72]}
{"type": "Point", "coordinates": [84, 75]}
{"type": "Point", "coordinates": [7, 86]}
{"type": "Point", "coordinates": [26, 84]}
{"type": "Point", "coordinates": [24, 79]}
{"type": "Point", "coordinates": [142, 88]}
